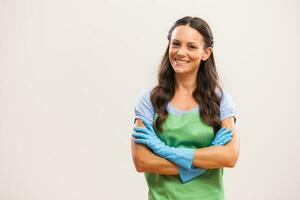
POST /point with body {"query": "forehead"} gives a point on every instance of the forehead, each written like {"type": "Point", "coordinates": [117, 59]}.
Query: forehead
{"type": "Point", "coordinates": [186, 34]}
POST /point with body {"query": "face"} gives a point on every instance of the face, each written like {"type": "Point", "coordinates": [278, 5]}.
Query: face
{"type": "Point", "coordinates": [187, 50]}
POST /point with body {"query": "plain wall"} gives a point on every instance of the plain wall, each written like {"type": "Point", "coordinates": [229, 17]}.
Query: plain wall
{"type": "Point", "coordinates": [71, 71]}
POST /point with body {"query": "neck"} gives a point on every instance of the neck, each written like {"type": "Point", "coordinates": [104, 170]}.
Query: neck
{"type": "Point", "coordinates": [185, 83]}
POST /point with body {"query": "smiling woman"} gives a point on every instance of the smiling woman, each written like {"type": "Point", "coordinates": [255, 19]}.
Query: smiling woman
{"type": "Point", "coordinates": [185, 126]}
{"type": "Point", "coordinates": [185, 55]}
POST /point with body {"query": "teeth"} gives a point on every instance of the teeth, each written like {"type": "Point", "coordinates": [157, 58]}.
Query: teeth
{"type": "Point", "coordinates": [181, 61]}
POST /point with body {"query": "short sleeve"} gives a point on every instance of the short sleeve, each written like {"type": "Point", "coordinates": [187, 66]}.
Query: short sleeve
{"type": "Point", "coordinates": [143, 108]}
{"type": "Point", "coordinates": [227, 107]}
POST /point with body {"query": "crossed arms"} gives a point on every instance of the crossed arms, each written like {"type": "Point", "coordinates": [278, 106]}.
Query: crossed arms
{"type": "Point", "coordinates": [208, 157]}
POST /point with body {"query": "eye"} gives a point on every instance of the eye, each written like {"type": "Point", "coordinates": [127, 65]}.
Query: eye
{"type": "Point", "coordinates": [192, 47]}
{"type": "Point", "coordinates": [175, 44]}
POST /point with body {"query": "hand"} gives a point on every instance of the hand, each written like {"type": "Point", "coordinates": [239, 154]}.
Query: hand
{"type": "Point", "coordinates": [223, 136]}
{"type": "Point", "coordinates": [183, 157]}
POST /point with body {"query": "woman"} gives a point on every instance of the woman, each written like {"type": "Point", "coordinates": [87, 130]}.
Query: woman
{"type": "Point", "coordinates": [185, 126]}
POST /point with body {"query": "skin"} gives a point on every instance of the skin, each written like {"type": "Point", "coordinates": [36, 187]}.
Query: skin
{"type": "Point", "coordinates": [185, 53]}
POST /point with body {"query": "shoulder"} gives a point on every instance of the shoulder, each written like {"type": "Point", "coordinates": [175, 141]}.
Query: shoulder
{"type": "Point", "coordinates": [143, 107]}
{"type": "Point", "coordinates": [226, 98]}
{"type": "Point", "coordinates": [145, 94]}
{"type": "Point", "coordinates": [227, 106]}
{"type": "Point", "coordinates": [144, 98]}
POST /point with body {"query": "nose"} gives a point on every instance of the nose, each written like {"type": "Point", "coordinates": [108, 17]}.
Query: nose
{"type": "Point", "coordinates": [181, 52]}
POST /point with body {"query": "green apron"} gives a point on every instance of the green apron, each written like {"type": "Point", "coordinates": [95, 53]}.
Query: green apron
{"type": "Point", "coordinates": [186, 130]}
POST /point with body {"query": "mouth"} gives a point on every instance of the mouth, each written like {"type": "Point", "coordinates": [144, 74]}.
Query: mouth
{"type": "Point", "coordinates": [181, 62]}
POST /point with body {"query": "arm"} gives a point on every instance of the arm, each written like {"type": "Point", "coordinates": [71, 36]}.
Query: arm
{"type": "Point", "coordinates": [182, 157]}
{"type": "Point", "coordinates": [219, 156]}
{"type": "Point", "coordinates": [146, 161]}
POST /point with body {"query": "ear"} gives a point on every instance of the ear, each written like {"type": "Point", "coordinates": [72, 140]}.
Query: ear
{"type": "Point", "coordinates": [207, 53]}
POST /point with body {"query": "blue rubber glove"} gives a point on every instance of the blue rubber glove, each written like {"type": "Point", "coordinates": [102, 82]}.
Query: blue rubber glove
{"type": "Point", "coordinates": [223, 136]}
{"type": "Point", "coordinates": [183, 157]}
{"type": "Point", "coordinates": [149, 138]}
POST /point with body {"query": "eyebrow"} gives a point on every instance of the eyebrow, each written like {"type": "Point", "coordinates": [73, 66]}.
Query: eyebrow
{"type": "Point", "coordinates": [188, 42]}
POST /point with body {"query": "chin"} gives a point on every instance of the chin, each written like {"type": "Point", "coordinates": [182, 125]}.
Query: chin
{"type": "Point", "coordinates": [179, 71]}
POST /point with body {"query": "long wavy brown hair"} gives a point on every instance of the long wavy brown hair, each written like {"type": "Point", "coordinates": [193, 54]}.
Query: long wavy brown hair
{"type": "Point", "coordinates": [205, 93]}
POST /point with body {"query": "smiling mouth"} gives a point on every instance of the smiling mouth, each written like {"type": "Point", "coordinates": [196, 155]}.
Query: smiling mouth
{"type": "Point", "coordinates": [181, 62]}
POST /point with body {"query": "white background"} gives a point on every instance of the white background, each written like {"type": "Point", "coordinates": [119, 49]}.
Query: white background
{"type": "Point", "coordinates": [71, 71]}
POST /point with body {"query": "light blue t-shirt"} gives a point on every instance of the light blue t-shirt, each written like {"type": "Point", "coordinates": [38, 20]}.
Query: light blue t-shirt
{"type": "Point", "coordinates": [144, 108]}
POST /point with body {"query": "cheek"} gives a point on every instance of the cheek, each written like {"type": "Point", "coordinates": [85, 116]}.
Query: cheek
{"type": "Point", "coordinates": [172, 52]}
{"type": "Point", "coordinates": [195, 57]}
